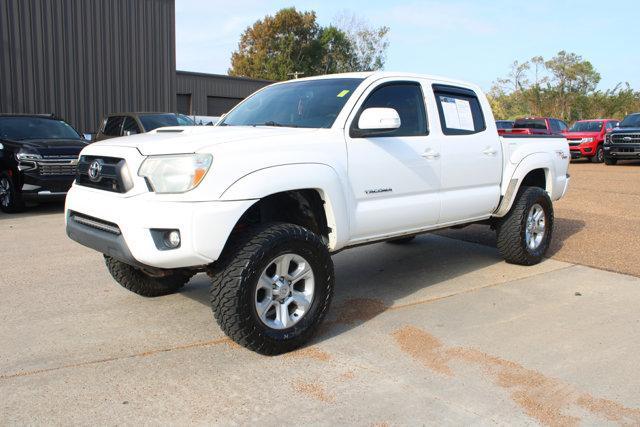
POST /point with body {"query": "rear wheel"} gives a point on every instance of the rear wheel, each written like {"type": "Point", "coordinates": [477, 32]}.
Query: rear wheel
{"type": "Point", "coordinates": [272, 288]}
{"type": "Point", "coordinates": [599, 156]}
{"type": "Point", "coordinates": [609, 161]}
{"type": "Point", "coordinates": [525, 232]}
{"type": "Point", "coordinates": [10, 197]}
{"type": "Point", "coordinates": [143, 283]}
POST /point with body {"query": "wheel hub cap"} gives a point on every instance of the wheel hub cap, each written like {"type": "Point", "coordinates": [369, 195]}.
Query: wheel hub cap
{"type": "Point", "coordinates": [284, 291]}
{"type": "Point", "coordinates": [5, 192]}
{"type": "Point", "coordinates": [535, 228]}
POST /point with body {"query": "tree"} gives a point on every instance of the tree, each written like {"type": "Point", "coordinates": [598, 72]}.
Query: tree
{"type": "Point", "coordinates": [573, 77]}
{"type": "Point", "coordinates": [369, 44]}
{"type": "Point", "coordinates": [289, 42]}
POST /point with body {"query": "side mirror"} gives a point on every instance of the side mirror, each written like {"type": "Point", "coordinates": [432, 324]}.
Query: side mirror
{"type": "Point", "coordinates": [379, 119]}
{"type": "Point", "coordinates": [128, 133]}
{"type": "Point", "coordinates": [87, 136]}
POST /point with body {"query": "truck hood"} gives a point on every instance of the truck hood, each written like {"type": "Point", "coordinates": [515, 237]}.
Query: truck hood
{"type": "Point", "coordinates": [53, 147]}
{"type": "Point", "coordinates": [191, 139]}
{"type": "Point", "coordinates": [579, 135]}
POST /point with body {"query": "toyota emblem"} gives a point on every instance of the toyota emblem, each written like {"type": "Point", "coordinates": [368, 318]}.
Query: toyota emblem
{"type": "Point", "coordinates": [94, 171]}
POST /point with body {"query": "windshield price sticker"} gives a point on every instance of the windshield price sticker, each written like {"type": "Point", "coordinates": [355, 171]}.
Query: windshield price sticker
{"type": "Point", "coordinates": [343, 93]}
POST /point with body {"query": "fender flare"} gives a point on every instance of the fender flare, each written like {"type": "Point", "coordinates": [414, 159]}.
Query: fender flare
{"type": "Point", "coordinates": [317, 176]}
{"type": "Point", "coordinates": [527, 164]}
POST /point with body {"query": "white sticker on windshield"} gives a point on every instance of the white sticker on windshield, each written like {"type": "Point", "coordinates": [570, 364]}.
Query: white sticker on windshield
{"type": "Point", "coordinates": [457, 113]}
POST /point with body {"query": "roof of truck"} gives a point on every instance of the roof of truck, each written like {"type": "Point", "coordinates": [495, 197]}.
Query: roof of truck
{"type": "Point", "coordinates": [384, 74]}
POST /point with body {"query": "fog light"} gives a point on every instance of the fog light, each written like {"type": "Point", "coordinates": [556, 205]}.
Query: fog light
{"type": "Point", "coordinates": [172, 239]}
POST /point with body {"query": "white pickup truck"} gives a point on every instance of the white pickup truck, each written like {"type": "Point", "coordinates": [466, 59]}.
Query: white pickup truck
{"type": "Point", "coordinates": [301, 170]}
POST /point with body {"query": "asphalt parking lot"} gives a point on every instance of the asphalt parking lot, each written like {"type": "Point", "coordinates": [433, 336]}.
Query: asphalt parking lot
{"type": "Point", "coordinates": [438, 331]}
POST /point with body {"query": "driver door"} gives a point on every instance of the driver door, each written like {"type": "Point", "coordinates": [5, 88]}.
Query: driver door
{"type": "Point", "coordinates": [395, 175]}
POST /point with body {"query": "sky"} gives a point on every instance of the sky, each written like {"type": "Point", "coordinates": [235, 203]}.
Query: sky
{"type": "Point", "coordinates": [469, 40]}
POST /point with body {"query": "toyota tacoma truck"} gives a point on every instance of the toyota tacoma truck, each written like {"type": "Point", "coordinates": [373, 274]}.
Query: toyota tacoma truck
{"type": "Point", "coordinates": [301, 170]}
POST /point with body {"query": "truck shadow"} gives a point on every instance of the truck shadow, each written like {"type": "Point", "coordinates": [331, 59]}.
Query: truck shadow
{"type": "Point", "coordinates": [373, 279]}
{"type": "Point", "coordinates": [36, 210]}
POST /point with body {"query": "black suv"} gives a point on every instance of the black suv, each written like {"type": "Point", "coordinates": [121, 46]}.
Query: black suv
{"type": "Point", "coordinates": [623, 142]}
{"type": "Point", "coordinates": [38, 159]}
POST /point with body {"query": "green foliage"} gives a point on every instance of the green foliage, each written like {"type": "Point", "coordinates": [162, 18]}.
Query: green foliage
{"type": "Point", "coordinates": [291, 42]}
{"type": "Point", "coordinates": [564, 87]}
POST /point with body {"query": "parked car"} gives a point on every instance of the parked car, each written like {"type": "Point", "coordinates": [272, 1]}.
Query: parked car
{"type": "Point", "coordinates": [504, 126]}
{"type": "Point", "coordinates": [538, 126]}
{"type": "Point", "coordinates": [205, 120]}
{"type": "Point", "coordinates": [38, 158]}
{"type": "Point", "coordinates": [586, 138]}
{"type": "Point", "coordinates": [298, 171]}
{"type": "Point", "coordinates": [124, 124]}
{"type": "Point", "coordinates": [623, 142]}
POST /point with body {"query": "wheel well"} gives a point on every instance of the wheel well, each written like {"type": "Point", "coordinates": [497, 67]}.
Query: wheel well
{"type": "Point", "coordinates": [535, 178]}
{"type": "Point", "coordinates": [301, 207]}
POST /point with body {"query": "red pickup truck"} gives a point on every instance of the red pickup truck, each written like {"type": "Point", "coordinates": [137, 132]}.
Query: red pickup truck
{"type": "Point", "coordinates": [586, 137]}
{"type": "Point", "coordinates": [538, 126]}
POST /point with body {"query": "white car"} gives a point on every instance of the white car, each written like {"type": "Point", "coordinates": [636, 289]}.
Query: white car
{"type": "Point", "coordinates": [298, 171]}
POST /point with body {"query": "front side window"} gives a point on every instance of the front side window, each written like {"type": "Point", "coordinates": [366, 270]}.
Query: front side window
{"type": "Point", "coordinates": [153, 121]}
{"type": "Point", "coordinates": [26, 128]}
{"type": "Point", "coordinates": [113, 126]}
{"type": "Point", "coordinates": [555, 125]}
{"type": "Point", "coordinates": [407, 100]}
{"type": "Point", "coordinates": [459, 109]}
{"type": "Point", "coordinates": [304, 104]}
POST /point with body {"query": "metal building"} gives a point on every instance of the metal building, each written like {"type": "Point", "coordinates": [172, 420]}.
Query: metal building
{"type": "Point", "coordinates": [212, 94]}
{"type": "Point", "coordinates": [83, 59]}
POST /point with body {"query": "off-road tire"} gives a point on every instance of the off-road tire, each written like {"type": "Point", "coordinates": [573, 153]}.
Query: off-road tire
{"type": "Point", "coordinates": [610, 162]}
{"type": "Point", "coordinates": [141, 283]}
{"type": "Point", "coordinates": [511, 230]}
{"type": "Point", "coordinates": [235, 276]}
{"type": "Point", "coordinates": [15, 203]}
{"type": "Point", "coordinates": [598, 156]}
{"type": "Point", "coordinates": [402, 240]}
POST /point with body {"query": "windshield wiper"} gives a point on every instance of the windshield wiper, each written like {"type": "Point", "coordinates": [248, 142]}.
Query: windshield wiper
{"type": "Point", "coordinates": [276, 124]}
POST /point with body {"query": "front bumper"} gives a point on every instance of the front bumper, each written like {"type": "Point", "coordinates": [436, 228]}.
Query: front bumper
{"type": "Point", "coordinates": [204, 227]}
{"type": "Point", "coordinates": [622, 151]}
{"type": "Point", "coordinates": [37, 188]}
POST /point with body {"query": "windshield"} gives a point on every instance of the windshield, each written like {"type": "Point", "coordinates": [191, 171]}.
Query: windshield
{"type": "Point", "coordinates": [24, 128]}
{"type": "Point", "coordinates": [154, 121]}
{"type": "Point", "coordinates": [586, 127]}
{"type": "Point", "coordinates": [306, 104]}
{"type": "Point", "coordinates": [631, 121]}
{"type": "Point", "coordinates": [530, 124]}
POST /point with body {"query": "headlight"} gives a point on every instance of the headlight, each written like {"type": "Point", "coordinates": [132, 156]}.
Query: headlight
{"type": "Point", "coordinates": [175, 173]}
{"type": "Point", "coordinates": [587, 139]}
{"type": "Point", "coordinates": [26, 156]}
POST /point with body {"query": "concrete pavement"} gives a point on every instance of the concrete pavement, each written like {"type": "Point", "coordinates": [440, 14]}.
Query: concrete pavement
{"type": "Point", "coordinates": [438, 331]}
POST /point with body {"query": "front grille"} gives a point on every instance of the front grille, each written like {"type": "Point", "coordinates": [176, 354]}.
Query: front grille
{"type": "Point", "coordinates": [52, 169]}
{"type": "Point", "coordinates": [625, 138]}
{"type": "Point", "coordinates": [574, 143]}
{"type": "Point", "coordinates": [113, 174]}
{"type": "Point", "coordinates": [96, 223]}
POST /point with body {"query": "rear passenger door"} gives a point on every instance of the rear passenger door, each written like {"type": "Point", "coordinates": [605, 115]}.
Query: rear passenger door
{"type": "Point", "coordinates": [471, 155]}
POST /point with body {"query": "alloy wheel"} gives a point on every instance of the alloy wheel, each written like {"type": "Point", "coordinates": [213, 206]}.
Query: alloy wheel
{"type": "Point", "coordinates": [284, 292]}
{"type": "Point", "coordinates": [535, 227]}
{"type": "Point", "coordinates": [5, 191]}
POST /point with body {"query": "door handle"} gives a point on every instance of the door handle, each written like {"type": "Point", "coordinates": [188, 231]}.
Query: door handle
{"type": "Point", "coordinates": [430, 154]}
{"type": "Point", "coordinates": [489, 151]}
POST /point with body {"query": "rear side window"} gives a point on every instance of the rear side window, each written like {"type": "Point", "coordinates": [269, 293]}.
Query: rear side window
{"type": "Point", "coordinates": [407, 99]}
{"type": "Point", "coordinates": [459, 110]}
{"type": "Point", "coordinates": [113, 126]}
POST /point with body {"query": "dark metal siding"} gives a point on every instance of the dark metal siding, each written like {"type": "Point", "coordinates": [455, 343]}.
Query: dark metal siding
{"type": "Point", "coordinates": [82, 59]}
{"type": "Point", "coordinates": [203, 86]}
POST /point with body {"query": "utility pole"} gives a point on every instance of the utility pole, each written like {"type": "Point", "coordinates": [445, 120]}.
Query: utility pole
{"type": "Point", "coordinates": [295, 74]}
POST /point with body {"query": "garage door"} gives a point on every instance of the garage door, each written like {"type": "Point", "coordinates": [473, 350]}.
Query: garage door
{"type": "Point", "coordinates": [218, 105]}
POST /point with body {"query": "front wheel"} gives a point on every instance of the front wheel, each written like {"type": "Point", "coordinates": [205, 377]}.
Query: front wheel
{"type": "Point", "coordinates": [145, 284]}
{"type": "Point", "coordinates": [599, 156]}
{"type": "Point", "coordinates": [610, 162]}
{"type": "Point", "coordinates": [272, 288]}
{"type": "Point", "coordinates": [525, 232]}
{"type": "Point", "coordinates": [10, 197]}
